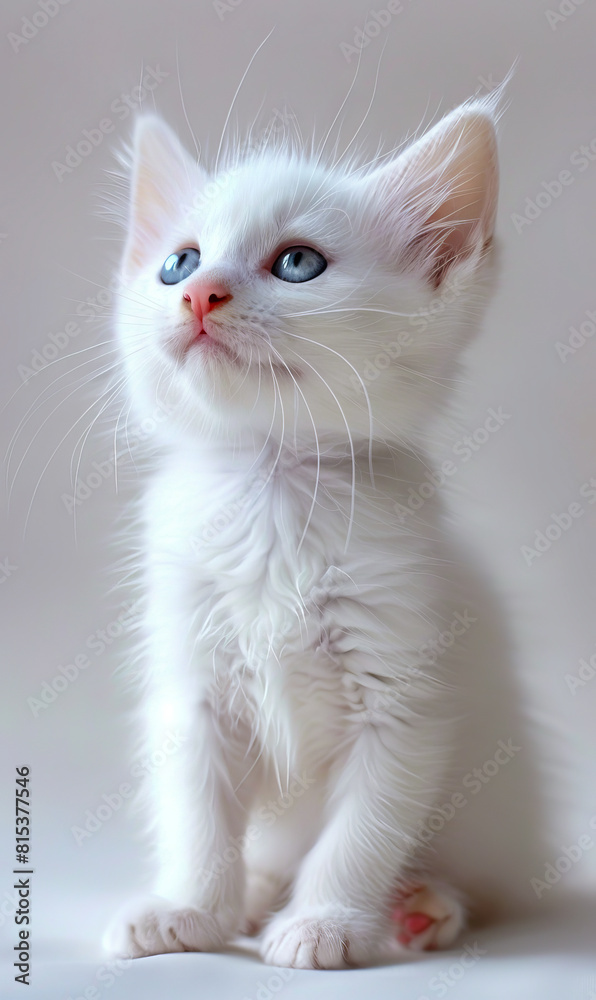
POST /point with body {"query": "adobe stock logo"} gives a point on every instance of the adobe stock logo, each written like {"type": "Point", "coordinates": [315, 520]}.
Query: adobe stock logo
{"type": "Point", "coordinates": [559, 523]}
{"type": "Point", "coordinates": [570, 855]}
{"type": "Point", "coordinates": [31, 26]}
{"type": "Point", "coordinates": [110, 802]}
{"type": "Point", "coordinates": [122, 107]}
{"type": "Point", "coordinates": [551, 190]}
{"type": "Point", "coordinates": [564, 11]}
{"type": "Point", "coordinates": [586, 673]}
{"type": "Point", "coordinates": [578, 335]}
{"type": "Point", "coordinates": [376, 20]}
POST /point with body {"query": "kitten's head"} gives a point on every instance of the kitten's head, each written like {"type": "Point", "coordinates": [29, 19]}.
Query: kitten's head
{"type": "Point", "coordinates": [284, 296]}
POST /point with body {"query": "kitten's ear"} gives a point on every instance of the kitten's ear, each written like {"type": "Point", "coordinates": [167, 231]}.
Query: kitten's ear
{"type": "Point", "coordinates": [165, 179]}
{"type": "Point", "coordinates": [438, 199]}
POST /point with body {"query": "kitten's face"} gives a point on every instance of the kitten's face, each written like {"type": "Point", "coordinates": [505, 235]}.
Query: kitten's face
{"type": "Point", "coordinates": [283, 297]}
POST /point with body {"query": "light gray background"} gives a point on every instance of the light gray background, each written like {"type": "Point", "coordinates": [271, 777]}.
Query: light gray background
{"type": "Point", "coordinates": [535, 621]}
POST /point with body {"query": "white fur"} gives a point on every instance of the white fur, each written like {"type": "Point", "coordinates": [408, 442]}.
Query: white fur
{"type": "Point", "coordinates": [288, 603]}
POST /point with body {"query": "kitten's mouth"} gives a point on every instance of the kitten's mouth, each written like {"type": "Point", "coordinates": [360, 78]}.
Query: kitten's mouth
{"type": "Point", "coordinates": [197, 338]}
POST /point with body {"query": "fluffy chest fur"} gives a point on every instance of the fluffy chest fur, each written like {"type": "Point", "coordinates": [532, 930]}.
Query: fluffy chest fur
{"type": "Point", "coordinates": [294, 631]}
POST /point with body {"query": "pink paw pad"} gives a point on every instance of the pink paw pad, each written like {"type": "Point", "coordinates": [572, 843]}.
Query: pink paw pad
{"type": "Point", "coordinates": [426, 918]}
{"type": "Point", "coordinates": [418, 922]}
{"type": "Point", "coordinates": [411, 925]}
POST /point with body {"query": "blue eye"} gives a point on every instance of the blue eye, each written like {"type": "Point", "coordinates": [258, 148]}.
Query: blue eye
{"type": "Point", "coordinates": [178, 266]}
{"type": "Point", "coordinates": [299, 264]}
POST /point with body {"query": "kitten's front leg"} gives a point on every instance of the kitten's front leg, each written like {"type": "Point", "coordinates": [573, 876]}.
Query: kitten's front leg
{"type": "Point", "coordinates": [197, 804]}
{"type": "Point", "coordinates": [339, 912]}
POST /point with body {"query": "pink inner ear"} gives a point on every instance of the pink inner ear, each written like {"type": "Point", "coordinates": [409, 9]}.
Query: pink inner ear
{"type": "Point", "coordinates": [439, 250]}
{"type": "Point", "coordinates": [454, 245]}
{"type": "Point", "coordinates": [446, 192]}
{"type": "Point", "coordinates": [464, 219]}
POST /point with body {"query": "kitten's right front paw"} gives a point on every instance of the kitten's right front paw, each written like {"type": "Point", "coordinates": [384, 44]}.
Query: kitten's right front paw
{"type": "Point", "coordinates": [154, 926]}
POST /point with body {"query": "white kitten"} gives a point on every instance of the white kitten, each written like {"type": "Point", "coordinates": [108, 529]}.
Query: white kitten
{"type": "Point", "coordinates": [274, 313]}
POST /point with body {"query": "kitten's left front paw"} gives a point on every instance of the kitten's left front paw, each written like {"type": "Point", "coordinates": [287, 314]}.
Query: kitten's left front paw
{"type": "Point", "coordinates": [154, 926]}
{"type": "Point", "coordinates": [325, 942]}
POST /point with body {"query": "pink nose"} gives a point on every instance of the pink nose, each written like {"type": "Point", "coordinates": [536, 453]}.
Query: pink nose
{"type": "Point", "coordinates": [205, 297]}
